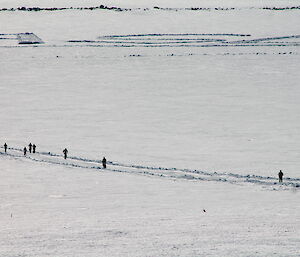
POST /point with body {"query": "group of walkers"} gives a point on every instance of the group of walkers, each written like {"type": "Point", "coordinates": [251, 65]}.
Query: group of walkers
{"type": "Point", "coordinates": [32, 149]}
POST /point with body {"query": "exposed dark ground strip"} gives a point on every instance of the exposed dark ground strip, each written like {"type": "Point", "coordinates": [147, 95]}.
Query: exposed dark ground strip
{"type": "Point", "coordinates": [120, 9]}
{"type": "Point", "coordinates": [38, 9]}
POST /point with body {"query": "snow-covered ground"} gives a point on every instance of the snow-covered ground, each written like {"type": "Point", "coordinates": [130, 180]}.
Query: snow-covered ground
{"type": "Point", "coordinates": [194, 109]}
{"type": "Point", "coordinates": [49, 210]}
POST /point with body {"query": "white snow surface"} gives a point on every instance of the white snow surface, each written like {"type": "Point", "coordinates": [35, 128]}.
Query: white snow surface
{"type": "Point", "coordinates": [51, 210]}
{"type": "Point", "coordinates": [195, 110]}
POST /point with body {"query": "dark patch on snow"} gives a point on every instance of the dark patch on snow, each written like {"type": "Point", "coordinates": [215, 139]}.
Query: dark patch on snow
{"type": "Point", "coordinates": [120, 9]}
{"type": "Point", "coordinates": [39, 9]}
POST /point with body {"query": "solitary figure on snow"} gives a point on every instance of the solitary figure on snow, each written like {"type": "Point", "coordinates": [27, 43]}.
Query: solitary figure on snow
{"type": "Point", "coordinates": [5, 147]}
{"type": "Point", "coordinates": [65, 151]}
{"type": "Point", "coordinates": [33, 148]}
{"type": "Point", "coordinates": [280, 175]}
{"type": "Point", "coordinates": [104, 163]}
{"type": "Point", "coordinates": [25, 151]}
{"type": "Point", "coordinates": [30, 147]}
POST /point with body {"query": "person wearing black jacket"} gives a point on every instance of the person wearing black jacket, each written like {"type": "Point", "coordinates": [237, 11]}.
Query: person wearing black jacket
{"type": "Point", "coordinates": [104, 163]}
{"type": "Point", "coordinates": [280, 175]}
{"type": "Point", "coordinates": [65, 151]}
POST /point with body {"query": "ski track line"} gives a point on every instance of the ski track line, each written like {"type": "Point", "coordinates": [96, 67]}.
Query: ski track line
{"type": "Point", "coordinates": [173, 41]}
{"type": "Point", "coordinates": [10, 34]}
{"type": "Point", "coordinates": [265, 39]}
{"type": "Point", "coordinates": [173, 34]}
{"type": "Point", "coordinates": [152, 39]}
{"type": "Point", "coordinates": [173, 173]}
{"type": "Point", "coordinates": [170, 43]}
{"type": "Point", "coordinates": [159, 40]}
{"type": "Point", "coordinates": [157, 46]}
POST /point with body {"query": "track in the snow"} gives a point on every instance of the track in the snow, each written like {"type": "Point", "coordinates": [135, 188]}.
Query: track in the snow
{"type": "Point", "coordinates": [171, 173]}
{"type": "Point", "coordinates": [189, 40]}
{"type": "Point", "coordinates": [172, 41]}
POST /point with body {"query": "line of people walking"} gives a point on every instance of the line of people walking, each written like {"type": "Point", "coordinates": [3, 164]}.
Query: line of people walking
{"type": "Point", "coordinates": [32, 149]}
{"type": "Point", "coordinates": [65, 152]}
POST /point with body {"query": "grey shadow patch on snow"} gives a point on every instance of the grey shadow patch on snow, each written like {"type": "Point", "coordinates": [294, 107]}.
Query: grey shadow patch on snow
{"type": "Point", "coordinates": [115, 233]}
{"type": "Point", "coordinates": [27, 38]}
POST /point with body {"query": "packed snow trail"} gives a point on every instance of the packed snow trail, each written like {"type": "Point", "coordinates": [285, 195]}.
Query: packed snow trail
{"type": "Point", "coordinates": [173, 173]}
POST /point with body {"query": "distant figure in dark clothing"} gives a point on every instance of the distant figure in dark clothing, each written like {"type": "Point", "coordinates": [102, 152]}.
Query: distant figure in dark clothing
{"type": "Point", "coordinates": [33, 148]}
{"type": "Point", "coordinates": [104, 163]}
{"type": "Point", "coordinates": [65, 151]}
{"type": "Point", "coordinates": [25, 151]}
{"type": "Point", "coordinates": [30, 147]}
{"type": "Point", "coordinates": [280, 175]}
{"type": "Point", "coordinates": [5, 147]}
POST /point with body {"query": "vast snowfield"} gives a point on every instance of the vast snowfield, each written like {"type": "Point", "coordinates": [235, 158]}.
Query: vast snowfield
{"type": "Point", "coordinates": [195, 104]}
